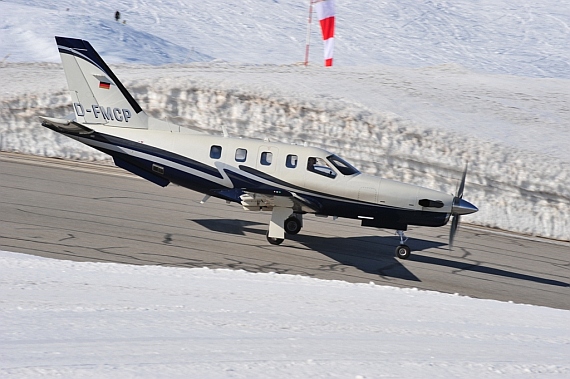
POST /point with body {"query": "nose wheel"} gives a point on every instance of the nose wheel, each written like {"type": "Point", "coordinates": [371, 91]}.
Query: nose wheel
{"type": "Point", "coordinates": [403, 251]}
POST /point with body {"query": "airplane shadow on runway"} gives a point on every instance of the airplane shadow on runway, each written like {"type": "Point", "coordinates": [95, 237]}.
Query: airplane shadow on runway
{"type": "Point", "coordinates": [370, 254]}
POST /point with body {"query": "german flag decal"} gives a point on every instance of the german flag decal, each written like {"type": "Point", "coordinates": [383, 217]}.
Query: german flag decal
{"type": "Point", "coordinates": [104, 82]}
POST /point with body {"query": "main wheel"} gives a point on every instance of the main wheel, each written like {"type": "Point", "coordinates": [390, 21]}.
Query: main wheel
{"type": "Point", "coordinates": [274, 241]}
{"type": "Point", "coordinates": [403, 251]}
{"type": "Point", "coordinates": [292, 225]}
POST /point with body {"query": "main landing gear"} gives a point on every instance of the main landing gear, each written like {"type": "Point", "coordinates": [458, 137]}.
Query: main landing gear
{"type": "Point", "coordinates": [282, 221]}
{"type": "Point", "coordinates": [403, 251]}
{"type": "Point", "coordinates": [293, 225]}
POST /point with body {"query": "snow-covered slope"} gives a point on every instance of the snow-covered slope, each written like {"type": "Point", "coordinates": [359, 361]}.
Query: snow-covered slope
{"type": "Point", "coordinates": [417, 91]}
{"type": "Point", "coordinates": [524, 38]}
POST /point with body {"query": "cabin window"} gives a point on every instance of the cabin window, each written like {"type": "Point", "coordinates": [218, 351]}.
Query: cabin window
{"type": "Point", "coordinates": [343, 166]}
{"type": "Point", "coordinates": [320, 166]}
{"type": "Point", "coordinates": [266, 158]}
{"type": "Point", "coordinates": [215, 152]}
{"type": "Point", "coordinates": [291, 161]}
{"type": "Point", "coordinates": [241, 155]}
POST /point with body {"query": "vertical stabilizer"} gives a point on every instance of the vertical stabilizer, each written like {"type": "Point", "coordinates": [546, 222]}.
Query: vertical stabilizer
{"type": "Point", "coordinates": [97, 94]}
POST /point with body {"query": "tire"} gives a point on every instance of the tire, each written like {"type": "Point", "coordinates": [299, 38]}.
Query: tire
{"type": "Point", "coordinates": [403, 252]}
{"type": "Point", "coordinates": [274, 241]}
{"type": "Point", "coordinates": [292, 225]}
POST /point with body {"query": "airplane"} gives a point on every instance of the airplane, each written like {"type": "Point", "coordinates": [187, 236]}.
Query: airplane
{"type": "Point", "coordinates": [289, 180]}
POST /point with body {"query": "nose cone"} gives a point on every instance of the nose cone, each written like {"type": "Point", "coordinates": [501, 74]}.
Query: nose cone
{"type": "Point", "coordinates": [462, 207]}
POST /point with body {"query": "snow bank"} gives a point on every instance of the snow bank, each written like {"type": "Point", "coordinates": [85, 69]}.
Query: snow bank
{"type": "Point", "coordinates": [93, 320]}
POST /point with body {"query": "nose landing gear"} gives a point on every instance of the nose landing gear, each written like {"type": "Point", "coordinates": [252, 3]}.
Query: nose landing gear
{"type": "Point", "coordinates": [403, 251]}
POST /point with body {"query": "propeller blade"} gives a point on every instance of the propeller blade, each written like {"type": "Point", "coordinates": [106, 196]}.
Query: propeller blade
{"type": "Point", "coordinates": [462, 184]}
{"type": "Point", "coordinates": [453, 231]}
{"type": "Point", "coordinates": [459, 207]}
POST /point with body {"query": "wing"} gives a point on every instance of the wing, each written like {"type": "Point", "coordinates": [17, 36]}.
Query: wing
{"type": "Point", "coordinates": [259, 199]}
{"type": "Point", "coordinates": [284, 199]}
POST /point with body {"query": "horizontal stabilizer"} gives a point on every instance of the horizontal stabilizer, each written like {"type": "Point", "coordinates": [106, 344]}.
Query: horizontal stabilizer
{"type": "Point", "coordinates": [65, 126]}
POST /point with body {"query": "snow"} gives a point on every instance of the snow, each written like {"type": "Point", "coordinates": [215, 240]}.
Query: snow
{"type": "Point", "coordinates": [94, 320]}
{"type": "Point", "coordinates": [417, 90]}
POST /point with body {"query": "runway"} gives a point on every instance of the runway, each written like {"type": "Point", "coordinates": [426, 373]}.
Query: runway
{"type": "Point", "coordinates": [92, 212]}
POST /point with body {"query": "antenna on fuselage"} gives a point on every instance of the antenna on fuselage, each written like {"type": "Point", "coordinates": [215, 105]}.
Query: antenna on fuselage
{"type": "Point", "coordinates": [225, 131]}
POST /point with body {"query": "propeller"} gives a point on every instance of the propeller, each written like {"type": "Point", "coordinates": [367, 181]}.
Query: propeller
{"type": "Point", "coordinates": [459, 207]}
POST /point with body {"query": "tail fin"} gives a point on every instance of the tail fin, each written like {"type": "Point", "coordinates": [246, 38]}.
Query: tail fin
{"type": "Point", "coordinates": [98, 95]}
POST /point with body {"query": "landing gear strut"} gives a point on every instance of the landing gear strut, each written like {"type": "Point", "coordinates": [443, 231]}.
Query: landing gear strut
{"type": "Point", "coordinates": [276, 232]}
{"type": "Point", "coordinates": [403, 251]}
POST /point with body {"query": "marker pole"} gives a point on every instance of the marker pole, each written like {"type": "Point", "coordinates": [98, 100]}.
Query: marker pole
{"type": "Point", "coordinates": [309, 33]}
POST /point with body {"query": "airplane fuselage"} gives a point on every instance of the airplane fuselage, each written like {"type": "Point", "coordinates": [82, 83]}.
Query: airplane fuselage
{"type": "Point", "coordinates": [229, 168]}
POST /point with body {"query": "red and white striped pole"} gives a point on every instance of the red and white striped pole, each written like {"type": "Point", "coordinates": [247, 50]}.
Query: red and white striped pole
{"type": "Point", "coordinates": [326, 13]}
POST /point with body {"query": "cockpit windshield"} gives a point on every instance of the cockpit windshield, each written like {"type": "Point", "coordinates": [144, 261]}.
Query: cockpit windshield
{"type": "Point", "coordinates": [343, 166]}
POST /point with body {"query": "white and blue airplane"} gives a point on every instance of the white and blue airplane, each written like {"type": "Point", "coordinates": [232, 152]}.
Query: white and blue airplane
{"type": "Point", "coordinates": [287, 180]}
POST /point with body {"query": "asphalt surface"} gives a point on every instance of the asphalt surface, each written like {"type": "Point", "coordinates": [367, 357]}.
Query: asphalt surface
{"type": "Point", "coordinates": [97, 213]}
